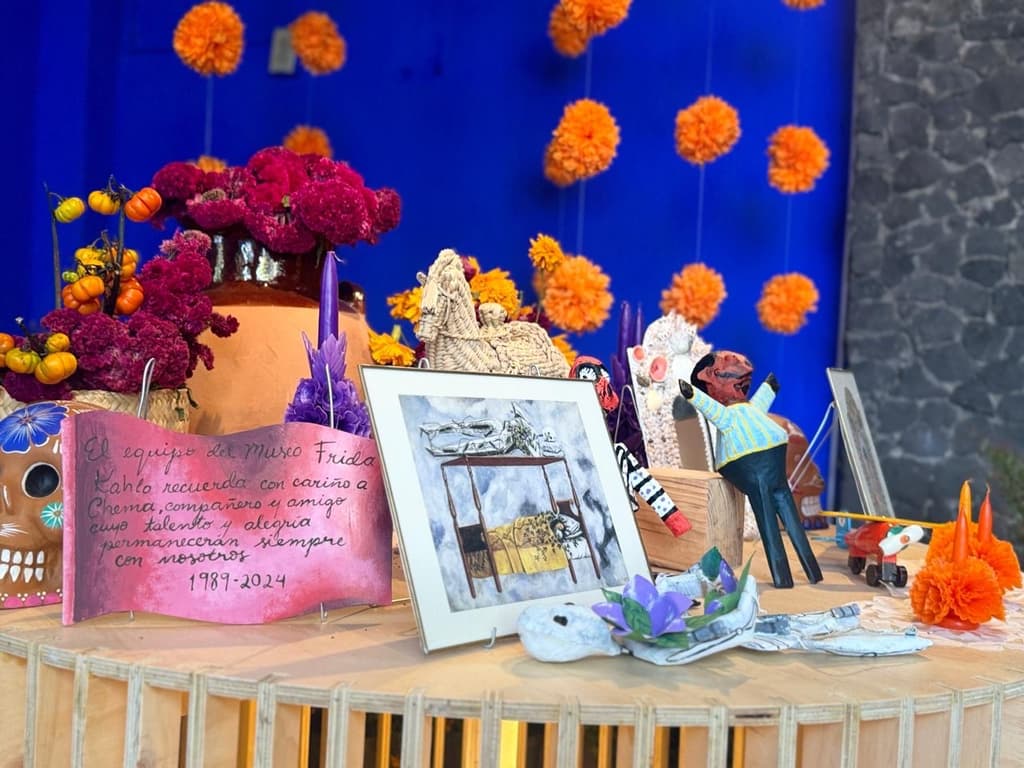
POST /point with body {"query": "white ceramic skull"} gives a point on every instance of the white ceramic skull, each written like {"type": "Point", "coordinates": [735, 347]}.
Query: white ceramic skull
{"type": "Point", "coordinates": [32, 503]}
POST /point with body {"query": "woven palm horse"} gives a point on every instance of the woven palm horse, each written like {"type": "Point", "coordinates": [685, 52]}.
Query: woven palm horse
{"type": "Point", "coordinates": [455, 341]}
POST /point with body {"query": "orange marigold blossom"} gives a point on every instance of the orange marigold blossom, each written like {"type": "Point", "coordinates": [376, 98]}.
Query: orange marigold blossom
{"type": "Point", "coordinates": [797, 158]}
{"type": "Point", "coordinates": [317, 43]}
{"type": "Point", "coordinates": [545, 252]}
{"type": "Point", "coordinates": [385, 349]}
{"type": "Point", "coordinates": [975, 595]}
{"type": "Point", "coordinates": [210, 164]}
{"type": "Point", "coordinates": [696, 294]}
{"type": "Point", "coordinates": [567, 38]}
{"type": "Point", "coordinates": [785, 302]}
{"type": "Point", "coordinates": [804, 5]}
{"type": "Point", "coordinates": [308, 140]}
{"type": "Point", "coordinates": [209, 39]}
{"type": "Point", "coordinates": [596, 17]}
{"type": "Point", "coordinates": [496, 286]}
{"type": "Point", "coordinates": [929, 592]}
{"type": "Point", "coordinates": [586, 139]}
{"type": "Point", "coordinates": [561, 342]}
{"type": "Point", "coordinates": [997, 553]}
{"type": "Point", "coordinates": [706, 130]}
{"type": "Point", "coordinates": [406, 305]}
{"type": "Point", "coordinates": [576, 295]}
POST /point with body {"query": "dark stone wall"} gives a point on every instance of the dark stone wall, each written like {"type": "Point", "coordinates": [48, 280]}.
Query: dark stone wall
{"type": "Point", "coordinates": [935, 244]}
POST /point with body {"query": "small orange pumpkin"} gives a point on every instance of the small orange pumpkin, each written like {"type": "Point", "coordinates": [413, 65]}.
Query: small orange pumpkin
{"type": "Point", "coordinates": [143, 204]}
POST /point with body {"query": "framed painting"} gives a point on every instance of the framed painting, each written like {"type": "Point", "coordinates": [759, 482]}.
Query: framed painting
{"type": "Point", "coordinates": [860, 448]}
{"type": "Point", "coordinates": [504, 491]}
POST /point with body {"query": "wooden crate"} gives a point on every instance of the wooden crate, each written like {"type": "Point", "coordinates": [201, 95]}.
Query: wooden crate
{"type": "Point", "coordinates": [714, 508]}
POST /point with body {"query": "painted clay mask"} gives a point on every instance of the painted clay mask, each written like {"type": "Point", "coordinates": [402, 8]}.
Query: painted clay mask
{"type": "Point", "coordinates": [727, 377]}
{"type": "Point", "coordinates": [32, 504]}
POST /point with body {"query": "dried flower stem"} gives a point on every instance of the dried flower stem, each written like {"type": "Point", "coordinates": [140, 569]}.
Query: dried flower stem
{"type": "Point", "coordinates": [56, 245]}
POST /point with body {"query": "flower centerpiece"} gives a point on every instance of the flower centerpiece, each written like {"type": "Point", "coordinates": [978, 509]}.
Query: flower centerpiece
{"type": "Point", "coordinates": [287, 209]}
{"type": "Point", "coordinates": [159, 316]}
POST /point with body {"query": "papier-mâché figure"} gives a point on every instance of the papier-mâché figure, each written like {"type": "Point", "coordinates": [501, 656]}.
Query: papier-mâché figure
{"type": "Point", "coordinates": [751, 453]}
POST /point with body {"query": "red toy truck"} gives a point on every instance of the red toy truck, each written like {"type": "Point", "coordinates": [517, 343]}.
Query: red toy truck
{"type": "Point", "coordinates": [881, 542]}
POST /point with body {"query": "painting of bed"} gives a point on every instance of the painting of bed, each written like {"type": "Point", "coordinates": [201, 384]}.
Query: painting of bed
{"type": "Point", "coordinates": [515, 506]}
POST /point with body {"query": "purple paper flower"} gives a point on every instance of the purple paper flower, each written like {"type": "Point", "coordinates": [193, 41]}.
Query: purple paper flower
{"type": "Point", "coordinates": [727, 582]}
{"type": "Point", "coordinates": [643, 612]}
{"type": "Point", "coordinates": [328, 386]}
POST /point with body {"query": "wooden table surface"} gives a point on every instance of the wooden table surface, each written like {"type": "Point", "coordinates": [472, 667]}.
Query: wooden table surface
{"type": "Point", "coordinates": [374, 656]}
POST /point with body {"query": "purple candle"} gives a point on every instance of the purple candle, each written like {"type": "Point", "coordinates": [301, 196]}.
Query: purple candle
{"type": "Point", "coordinates": [328, 299]}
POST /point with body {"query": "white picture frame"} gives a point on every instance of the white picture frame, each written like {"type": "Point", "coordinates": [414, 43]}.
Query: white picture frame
{"type": "Point", "coordinates": [504, 492]}
{"type": "Point", "coordinates": [860, 448]}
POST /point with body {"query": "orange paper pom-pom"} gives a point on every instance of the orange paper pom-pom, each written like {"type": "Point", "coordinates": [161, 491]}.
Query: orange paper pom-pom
{"type": "Point", "coordinates": [568, 39]}
{"type": "Point", "coordinates": [797, 159]}
{"type": "Point", "coordinates": [696, 294]}
{"type": "Point", "coordinates": [706, 130]}
{"type": "Point", "coordinates": [496, 286]}
{"type": "Point", "coordinates": [546, 253]}
{"type": "Point", "coordinates": [317, 43]}
{"type": "Point", "coordinates": [308, 140]}
{"type": "Point", "coordinates": [209, 39]}
{"type": "Point", "coordinates": [804, 5]}
{"type": "Point", "coordinates": [929, 592]}
{"type": "Point", "coordinates": [576, 295]}
{"type": "Point", "coordinates": [554, 171]}
{"type": "Point", "coordinates": [584, 143]}
{"type": "Point", "coordinates": [595, 17]}
{"type": "Point", "coordinates": [786, 301]}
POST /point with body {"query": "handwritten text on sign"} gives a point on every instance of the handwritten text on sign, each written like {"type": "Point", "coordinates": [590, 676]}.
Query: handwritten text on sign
{"type": "Point", "coordinates": [242, 528]}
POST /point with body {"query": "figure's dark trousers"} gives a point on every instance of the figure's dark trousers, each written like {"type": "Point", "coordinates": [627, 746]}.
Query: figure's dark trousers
{"type": "Point", "coordinates": [762, 477]}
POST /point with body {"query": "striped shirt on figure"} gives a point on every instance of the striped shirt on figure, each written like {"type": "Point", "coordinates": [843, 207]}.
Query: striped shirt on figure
{"type": "Point", "coordinates": [743, 428]}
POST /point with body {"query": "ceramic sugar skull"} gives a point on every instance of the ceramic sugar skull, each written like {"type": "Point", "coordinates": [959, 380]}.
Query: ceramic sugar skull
{"type": "Point", "coordinates": [32, 504]}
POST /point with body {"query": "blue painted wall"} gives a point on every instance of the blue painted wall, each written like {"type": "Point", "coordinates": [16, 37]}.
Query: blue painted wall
{"type": "Point", "coordinates": [452, 102]}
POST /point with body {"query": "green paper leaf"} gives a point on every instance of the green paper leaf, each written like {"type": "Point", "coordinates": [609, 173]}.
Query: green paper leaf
{"type": "Point", "coordinates": [710, 563]}
{"type": "Point", "coordinates": [673, 640]}
{"type": "Point", "coordinates": [636, 616]}
{"type": "Point", "coordinates": [612, 597]}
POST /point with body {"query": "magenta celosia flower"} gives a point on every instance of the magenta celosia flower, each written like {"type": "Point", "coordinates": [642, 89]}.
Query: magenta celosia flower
{"type": "Point", "coordinates": [280, 232]}
{"type": "Point", "coordinates": [27, 389]}
{"type": "Point", "coordinates": [389, 211]}
{"type": "Point", "coordinates": [215, 214]}
{"type": "Point", "coordinates": [177, 181]}
{"type": "Point", "coordinates": [276, 173]}
{"type": "Point", "coordinates": [334, 210]}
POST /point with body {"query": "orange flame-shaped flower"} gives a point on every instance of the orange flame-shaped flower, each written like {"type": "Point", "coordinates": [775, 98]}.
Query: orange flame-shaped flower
{"type": "Point", "coordinates": [209, 38]}
{"type": "Point", "coordinates": [706, 130]}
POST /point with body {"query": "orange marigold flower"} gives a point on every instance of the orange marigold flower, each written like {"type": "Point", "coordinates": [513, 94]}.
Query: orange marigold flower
{"type": "Point", "coordinates": [546, 253]}
{"type": "Point", "coordinates": [941, 545]}
{"type": "Point", "coordinates": [974, 590]}
{"type": "Point", "coordinates": [561, 342]}
{"type": "Point", "coordinates": [706, 130]}
{"type": "Point", "coordinates": [1003, 560]}
{"type": "Point", "coordinates": [406, 305]}
{"type": "Point", "coordinates": [568, 38]}
{"type": "Point", "coordinates": [596, 16]}
{"type": "Point", "coordinates": [797, 158]}
{"type": "Point", "coordinates": [385, 349]}
{"type": "Point", "coordinates": [696, 294]}
{"type": "Point", "coordinates": [576, 296]}
{"type": "Point", "coordinates": [585, 141]}
{"type": "Point", "coordinates": [209, 39]}
{"type": "Point", "coordinates": [930, 592]}
{"type": "Point", "coordinates": [804, 5]}
{"type": "Point", "coordinates": [210, 164]}
{"type": "Point", "coordinates": [496, 286]}
{"type": "Point", "coordinates": [317, 43]}
{"type": "Point", "coordinates": [785, 302]}
{"type": "Point", "coordinates": [308, 140]}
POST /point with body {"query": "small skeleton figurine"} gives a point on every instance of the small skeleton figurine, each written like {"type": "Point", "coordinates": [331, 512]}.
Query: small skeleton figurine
{"type": "Point", "coordinates": [751, 453]}
{"type": "Point", "coordinates": [592, 369]}
{"type": "Point", "coordinates": [640, 482]}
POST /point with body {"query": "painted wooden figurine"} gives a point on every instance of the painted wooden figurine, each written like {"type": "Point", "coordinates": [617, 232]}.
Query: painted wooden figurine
{"type": "Point", "coordinates": [751, 453]}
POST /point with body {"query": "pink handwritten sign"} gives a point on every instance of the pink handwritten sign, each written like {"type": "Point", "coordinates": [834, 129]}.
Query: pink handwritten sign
{"type": "Point", "coordinates": [241, 529]}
